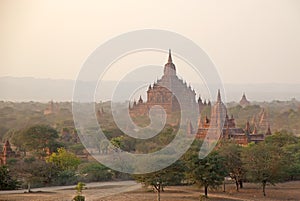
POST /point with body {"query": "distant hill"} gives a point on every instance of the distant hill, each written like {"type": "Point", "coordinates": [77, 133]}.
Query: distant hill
{"type": "Point", "coordinates": [29, 88]}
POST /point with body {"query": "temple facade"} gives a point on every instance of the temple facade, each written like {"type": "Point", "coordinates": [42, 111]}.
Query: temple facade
{"type": "Point", "coordinates": [164, 93]}
{"type": "Point", "coordinates": [219, 119]}
{"type": "Point", "coordinates": [6, 153]}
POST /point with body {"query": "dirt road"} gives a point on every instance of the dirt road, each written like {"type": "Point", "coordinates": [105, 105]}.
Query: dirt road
{"type": "Point", "coordinates": [93, 191]}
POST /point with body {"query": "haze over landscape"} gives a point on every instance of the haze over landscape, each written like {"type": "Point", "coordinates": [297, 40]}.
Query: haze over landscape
{"type": "Point", "coordinates": [44, 90]}
{"type": "Point", "coordinates": [254, 44]}
{"type": "Point", "coordinates": [149, 100]}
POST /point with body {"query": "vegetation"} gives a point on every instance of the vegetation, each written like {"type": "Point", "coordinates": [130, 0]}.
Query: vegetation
{"type": "Point", "coordinates": [264, 164]}
{"type": "Point", "coordinates": [208, 172]}
{"type": "Point", "coordinates": [6, 180]}
{"type": "Point", "coordinates": [64, 160]}
{"type": "Point", "coordinates": [79, 187]}
{"type": "Point", "coordinates": [232, 154]}
{"type": "Point", "coordinates": [37, 139]}
{"type": "Point", "coordinates": [172, 175]}
{"type": "Point", "coordinates": [50, 153]}
{"type": "Point", "coordinates": [94, 171]}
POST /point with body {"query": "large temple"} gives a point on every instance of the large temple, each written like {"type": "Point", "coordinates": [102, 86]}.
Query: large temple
{"type": "Point", "coordinates": [164, 93]}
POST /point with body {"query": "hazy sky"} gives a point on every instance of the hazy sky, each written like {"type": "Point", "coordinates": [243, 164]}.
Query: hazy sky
{"type": "Point", "coordinates": [250, 41]}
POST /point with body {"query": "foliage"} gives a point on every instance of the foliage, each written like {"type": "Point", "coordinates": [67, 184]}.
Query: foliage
{"type": "Point", "coordinates": [281, 138]}
{"type": "Point", "coordinates": [289, 146]}
{"type": "Point", "coordinates": [64, 163]}
{"type": "Point", "coordinates": [208, 172]}
{"type": "Point", "coordinates": [37, 138]}
{"type": "Point", "coordinates": [65, 177]}
{"type": "Point", "coordinates": [77, 148]}
{"type": "Point", "coordinates": [79, 198]}
{"type": "Point", "coordinates": [117, 142]}
{"type": "Point", "coordinates": [94, 171]}
{"type": "Point", "coordinates": [264, 164]}
{"type": "Point", "coordinates": [292, 154]}
{"type": "Point", "coordinates": [33, 172]}
{"type": "Point", "coordinates": [233, 162]}
{"type": "Point", "coordinates": [79, 187]}
{"type": "Point", "coordinates": [64, 160]}
{"type": "Point", "coordinates": [6, 181]}
{"type": "Point", "coordinates": [172, 175]}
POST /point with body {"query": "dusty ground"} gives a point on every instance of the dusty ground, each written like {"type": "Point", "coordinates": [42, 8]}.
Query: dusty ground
{"type": "Point", "coordinates": [129, 191]}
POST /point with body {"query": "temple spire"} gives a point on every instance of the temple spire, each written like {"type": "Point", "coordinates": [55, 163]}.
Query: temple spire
{"type": "Point", "coordinates": [170, 57]}
{"type": "Point", "coordinates": [170, 69]}
{"type": "Point", "coordinates": [219, 97]}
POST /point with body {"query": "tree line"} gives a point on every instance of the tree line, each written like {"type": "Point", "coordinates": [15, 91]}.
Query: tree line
{"type": "Point", "coordinates": [277, 159]}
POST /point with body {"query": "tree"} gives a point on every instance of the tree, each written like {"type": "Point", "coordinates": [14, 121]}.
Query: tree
{"type": "Point", "coordinates": [33, 172]}
{"type": "Point", "coordinates": [172, 175]}
{"type": "Point", "coordinates": [65, 164]}
{"type": "Point", "coordinates": [292, 156]}
{"type": "Point", "coordinates": [6, 181]}
{"type": "Point", "coordinates": [281, 138]}
{"type": "Point", "coordinates": [64, 160]}
{"type": "Point", "coordinates": [232, 154]}
{"type": "Point", "coordinates": [263, 164]}
{"type": "Point", "coordinates": [208, 172]}
{"type": "Point", "coordinates": [37, 138]}
{"type": "Point", "coordinates": [289, 146]}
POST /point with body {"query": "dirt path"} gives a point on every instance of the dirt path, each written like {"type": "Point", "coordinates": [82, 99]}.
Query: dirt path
{"type": "Point", "coordinates": [72, 187]}
{"type": "Point", "coordinates": [93, 191]}
{"type": "Point", "coordinates": [131, 191]}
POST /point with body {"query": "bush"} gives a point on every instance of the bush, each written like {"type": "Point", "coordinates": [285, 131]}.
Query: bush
{"type": "Point", "coordinates": [79, 198]}
{"type": "Point", "coordinates": [6, 181]}
{"type": "Point", "coordinates": [79, 187]}
{"type": "Point", "coordinates": [94, 171]}
{"type": "Point", "coordinates": [66, 177]}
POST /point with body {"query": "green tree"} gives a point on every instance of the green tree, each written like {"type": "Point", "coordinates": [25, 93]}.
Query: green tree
{"type": "Point", "coordinates": [233, 162]}
{"type": "Point", "coordinates": [281, 138]}
{"type": "Point", "coordinates": [64, 160]}
{"type": "Point", "coordinates": [172, 175]}
{"type": "Point", "coordinates": [292, 155]}
{"type": "Point", "coordinates": [208, 172]}
{"type": "Point", "coordinates": [263, 164]}
{"type": "Point", "coordinates": [37, 138]}
{"type": "Point", "coordinates": [289, 146]}
{"type": "Point", "coordinates": [65, 164]}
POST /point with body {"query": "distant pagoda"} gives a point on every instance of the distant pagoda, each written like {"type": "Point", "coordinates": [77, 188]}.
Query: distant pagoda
{"type": "Point", "coordinates": [244, 102]}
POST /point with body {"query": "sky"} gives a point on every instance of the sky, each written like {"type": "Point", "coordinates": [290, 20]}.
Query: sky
{"type": "Point", "coordinates": [249, 41]}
